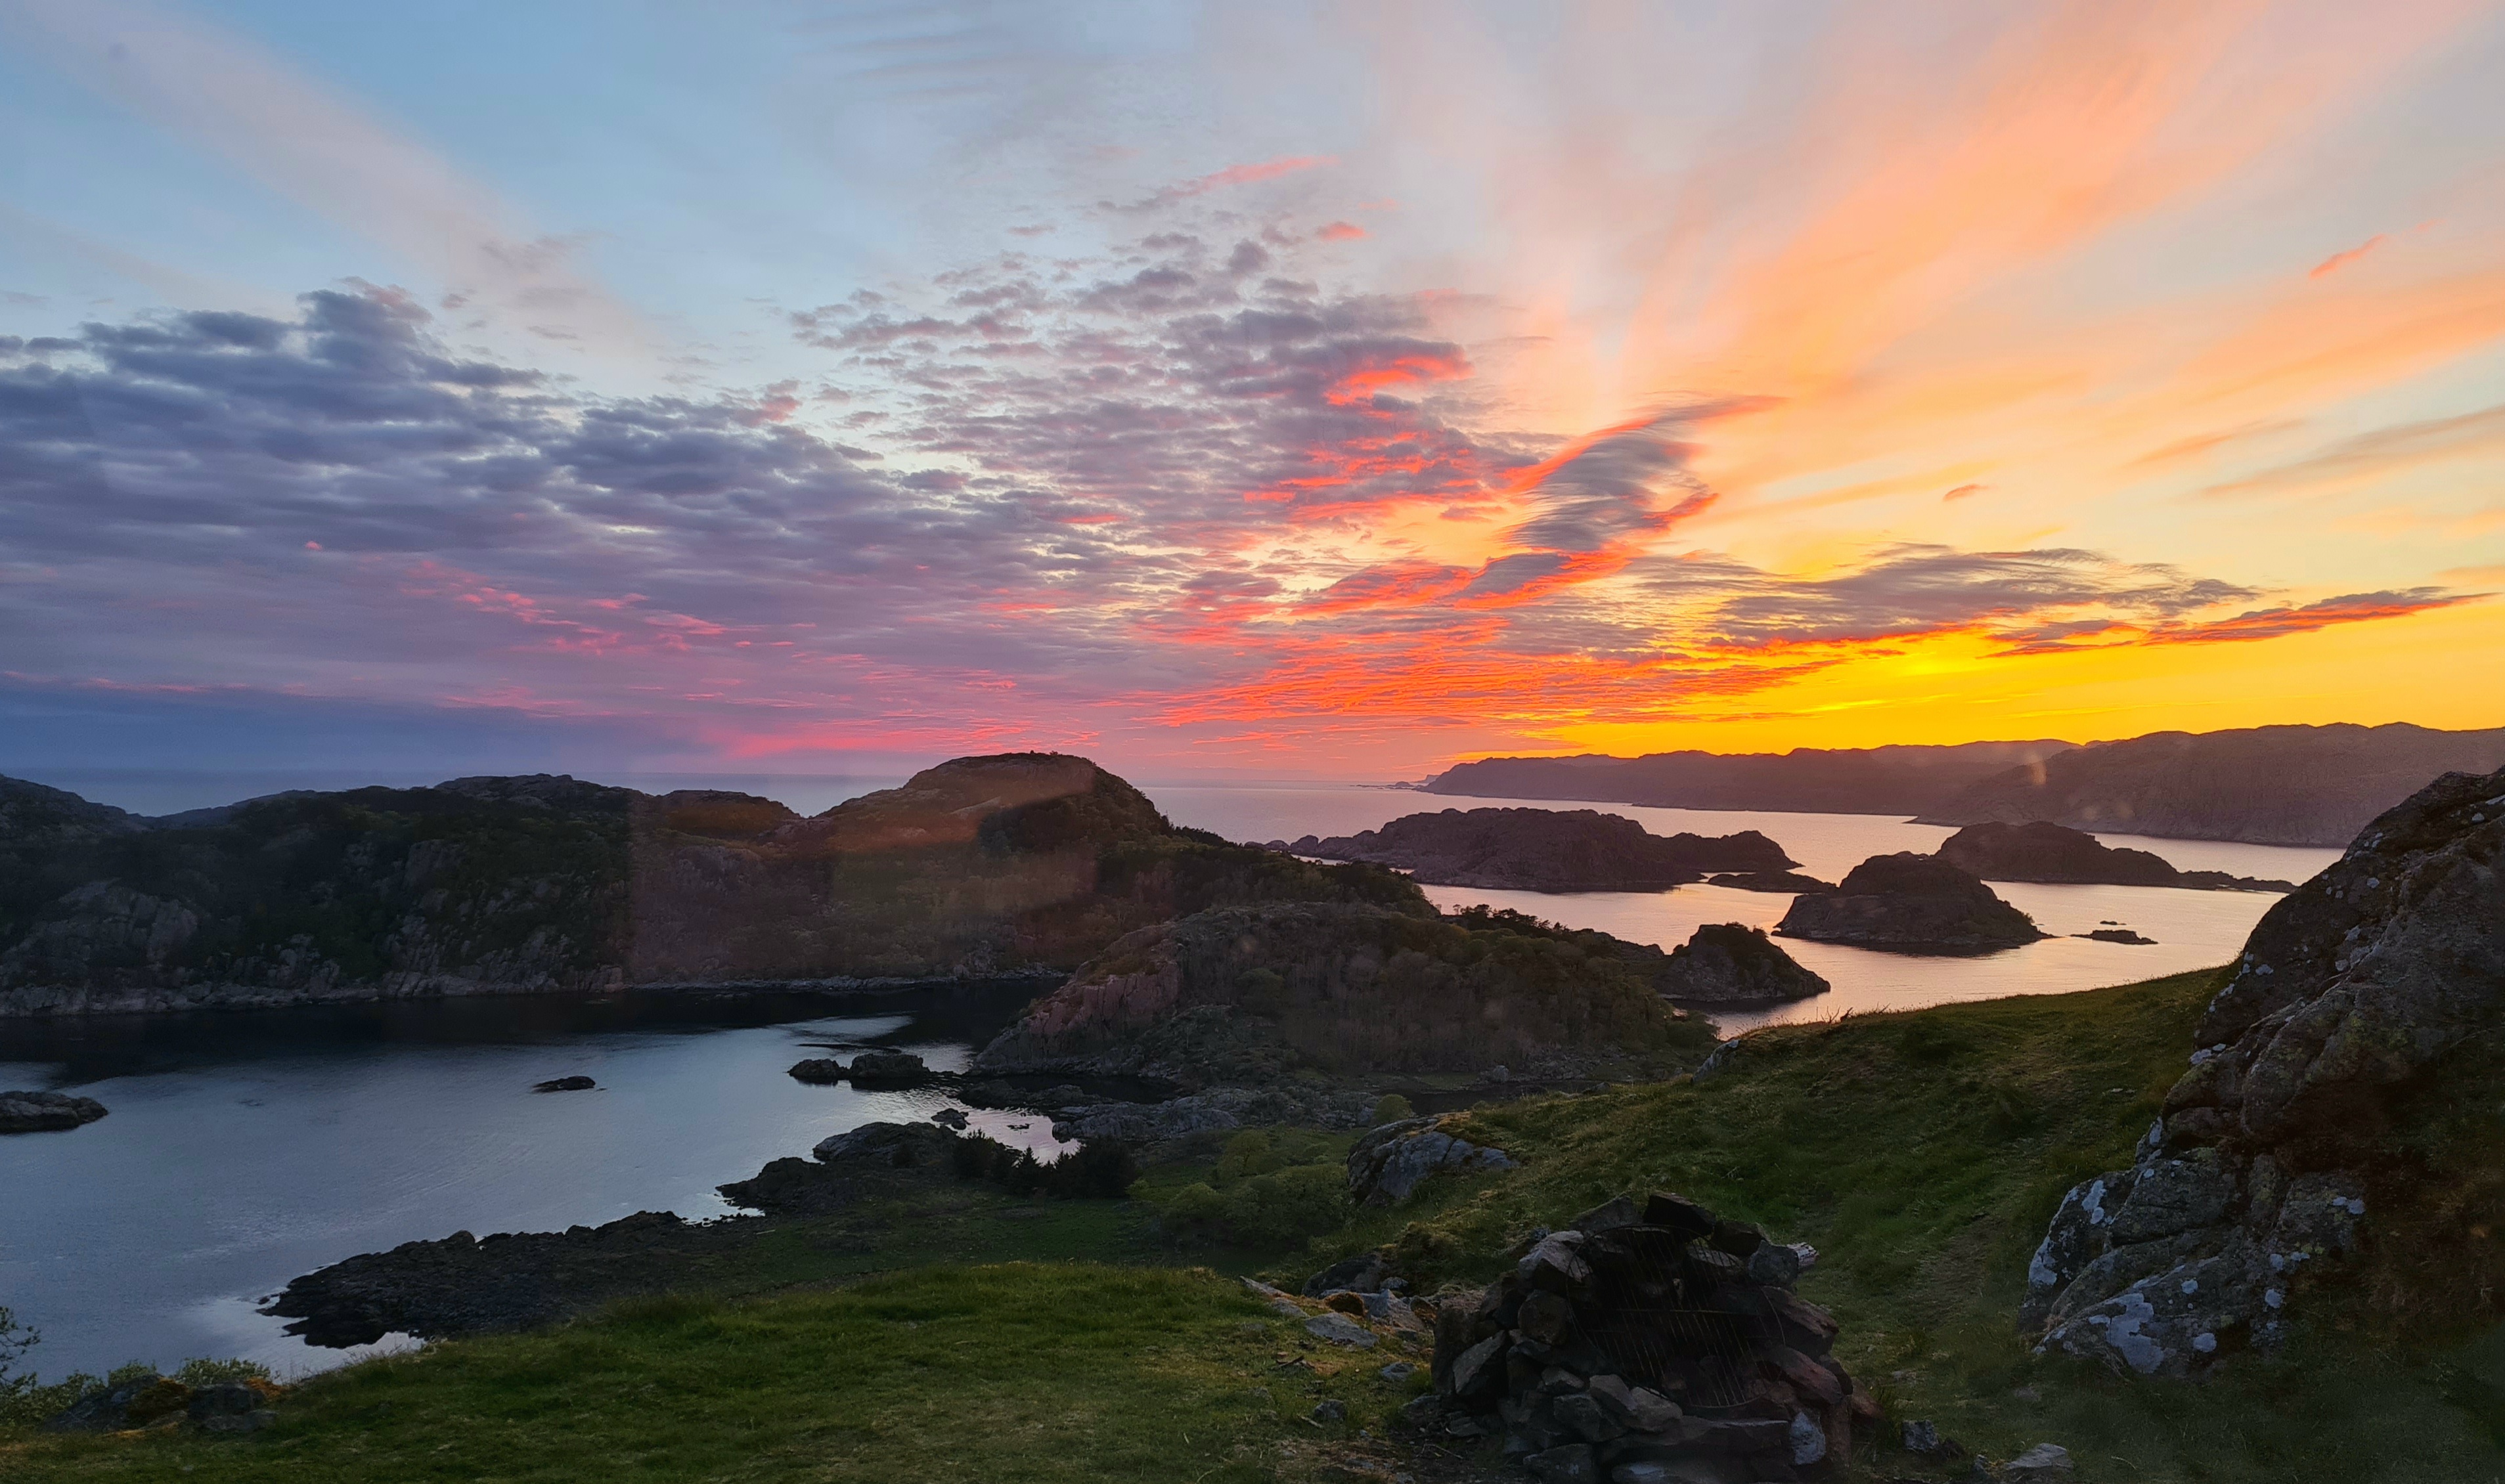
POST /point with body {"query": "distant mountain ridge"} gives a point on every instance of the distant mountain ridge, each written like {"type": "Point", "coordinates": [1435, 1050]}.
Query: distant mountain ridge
{"type": "Point", "coordinates": [1876, 780]}
{"type": "Point", "coordinates": [2264, 786]}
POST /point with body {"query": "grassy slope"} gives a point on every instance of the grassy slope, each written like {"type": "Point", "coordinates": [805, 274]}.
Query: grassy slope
{"type": "Point", "coordinates": [994, 1374]}
{"type": "Point", "coordinates": [1921, 1152]}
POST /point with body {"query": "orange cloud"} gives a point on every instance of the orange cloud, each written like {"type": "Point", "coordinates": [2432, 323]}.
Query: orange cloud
{"type": "Point", "coordinates": [1245, 175]}
{"type": "Point", "coordinates": [2338, 261]}
{"type": "Point", "coordinates": [1340, 231]}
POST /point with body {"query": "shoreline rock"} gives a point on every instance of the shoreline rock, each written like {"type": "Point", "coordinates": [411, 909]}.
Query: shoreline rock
{"type": "Point", "coordinates": [1732, 964]}
{"type": "Point", "coordinates": [37, 1113]}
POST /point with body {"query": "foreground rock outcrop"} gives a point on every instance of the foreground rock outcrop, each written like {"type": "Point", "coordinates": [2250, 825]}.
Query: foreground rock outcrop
{"type": "Point", "coordinates": [2042, 851]}
{"type": "Point", "coordinates": [35, 1112]}
{"type": "Point", "coordinates": [1393, 1159]}
{"type": "Point", "coordinates": [2372, 980]}
{"type": "Point", "coordinates": [980, 867]}
{"type": "Point", "coordinates": [1547, 850]}
{"type": "Point", "coordinates": [1910, 903]}
{"type": "Point", "coordinates": [1655, 1334]}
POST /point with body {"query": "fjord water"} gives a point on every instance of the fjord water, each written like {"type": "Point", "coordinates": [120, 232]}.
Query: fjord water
{"type": "Point", "coordinates": [246, 1149]}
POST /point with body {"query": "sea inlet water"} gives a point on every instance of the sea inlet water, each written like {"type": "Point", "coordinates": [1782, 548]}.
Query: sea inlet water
{"type": "Point", "coordinates": [246, 1149]}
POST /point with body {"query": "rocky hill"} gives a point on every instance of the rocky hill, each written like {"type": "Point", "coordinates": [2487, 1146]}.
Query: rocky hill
{"type": "Point", "coordinates": [1545, 850]}
{"type": "Point", "coordinates": [2339, 1109]}
{"type": "Point", "coordinates": [2049, 851]}
{"type": "Point", "coordinates": [2266, 785]}
{"type": "Point", "coordinates": [1910, 903]}
{"type": "Point", "coordinates": [1247, 996]}
{"type": "Point", "coordinates": [1877, 780]}
{"type": "Point", "coordinates": [983, 865]}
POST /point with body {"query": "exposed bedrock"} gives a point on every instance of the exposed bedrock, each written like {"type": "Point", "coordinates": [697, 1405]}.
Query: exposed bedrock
{"type": "Point", "coordinates": [2364, 983]}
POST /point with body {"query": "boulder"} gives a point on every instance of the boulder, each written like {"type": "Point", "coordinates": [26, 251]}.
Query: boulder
{"type": "Point", "coordinates": [1361, 1274]}
{"type": "Point", "coordinates": [2043, 1463]}
{"type": "Point", "coordinates": [1910, 903]}
{"type": "Point", "coordinates": [1733, 964]}
{"type": "Point", "coordinates": [1391, 1160]}
{"type": "Point", "coordinates": [901, 1144]}
{"type": "Point", "coordinates": [32, 1113]}
{"type": "Point", "coordinates": [888, 1069]}
{"type": "Point", "coordinates": [2361, 980]}
{"type": "Point", "coordinates": [105, 1409]}
{"type": "Point", "coordinates": [823, 1071]}
{"type": "Point", "coordinates": [1340, 1330]}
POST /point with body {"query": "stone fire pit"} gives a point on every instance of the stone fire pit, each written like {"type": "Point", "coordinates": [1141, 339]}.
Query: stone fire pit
{"type": "Point", "coordinates": [1651, 1344]}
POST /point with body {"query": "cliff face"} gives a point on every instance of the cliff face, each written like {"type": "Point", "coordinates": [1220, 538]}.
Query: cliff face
{"type": "Point", "coordinates": [2268, 785]}
{"type": "Point", "coordinates": [2331, 1096]}
{"type": "Point", "coordinates": [1877, 780]}
{"type": "Point", "coordinates": [1547, 850]}
{"type": "Point", "coordinates": [983, 865]}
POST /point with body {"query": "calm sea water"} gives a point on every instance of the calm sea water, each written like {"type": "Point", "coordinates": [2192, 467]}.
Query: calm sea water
{"type": "Point", "coordinates": [243, 1149]}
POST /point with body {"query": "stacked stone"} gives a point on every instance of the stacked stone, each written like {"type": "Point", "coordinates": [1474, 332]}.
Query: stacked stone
{"type": "Point", "coordinates": [1651, 1344]}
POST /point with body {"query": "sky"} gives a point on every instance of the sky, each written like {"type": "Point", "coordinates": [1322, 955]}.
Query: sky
{"type": "Point", "coordinates": [1331, 390]}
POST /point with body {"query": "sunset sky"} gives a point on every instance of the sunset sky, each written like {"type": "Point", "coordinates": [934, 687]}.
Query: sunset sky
{"type": "Point", "coordinates": [1339, 389]}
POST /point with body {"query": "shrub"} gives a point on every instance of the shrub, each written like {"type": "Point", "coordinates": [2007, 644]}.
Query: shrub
{"type": "Point", "coordinates": [1393, 1109]}
{"type": "Point", "coordinates": [1247, 1154]}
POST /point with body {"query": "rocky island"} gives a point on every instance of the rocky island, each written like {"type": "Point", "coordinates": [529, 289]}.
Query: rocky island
{"type": "Point", "coordinates": [1910, 903]}
{"type": "Point", "coordinates": [1732, 964]}
{"type": "Point", "coordinates": [2042, 851]}
{"type": "Point", "coordinates": [1545, 850]}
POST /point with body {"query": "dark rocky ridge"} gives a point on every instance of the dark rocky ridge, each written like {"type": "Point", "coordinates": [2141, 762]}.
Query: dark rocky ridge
{"type": "Point", "coordinates": [2042, 851]}
{"type": "Point", "coordinates": [2266, 785]}
{"type": "Point", "coordinates": [1252, 996]}
{"type": "Point", "coordinates": [2364, 994]}
{"type": "Point", "coordinates": [980, 867]}
{"type": "Point", "coordinates": [1910, 903]}
{"type": "Point", "coordinates": [1545, 850]}
{"type": "Point", "coordinates": [1877, 780]}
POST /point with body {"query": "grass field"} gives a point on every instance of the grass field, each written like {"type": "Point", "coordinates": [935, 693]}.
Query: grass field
{"type": "Point", "coordinates": [1921, 1152]}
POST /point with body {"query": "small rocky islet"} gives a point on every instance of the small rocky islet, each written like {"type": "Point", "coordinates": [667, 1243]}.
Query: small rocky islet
{"type": "Point", "coordinates": [1545, 850]}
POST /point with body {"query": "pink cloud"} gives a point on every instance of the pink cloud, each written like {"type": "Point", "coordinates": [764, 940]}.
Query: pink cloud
{"type": "Point", "coordinates": [2338, 261]}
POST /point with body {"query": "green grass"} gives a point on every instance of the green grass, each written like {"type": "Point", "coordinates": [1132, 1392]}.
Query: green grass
{"type": "Point", "coordinates": [1013, 1372]}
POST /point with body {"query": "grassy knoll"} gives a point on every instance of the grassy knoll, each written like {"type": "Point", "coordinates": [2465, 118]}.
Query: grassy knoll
{"type": "Point", "coordinates": [1012, 1373]}
{"type": "Point", "coordinates": [1923, 1153]}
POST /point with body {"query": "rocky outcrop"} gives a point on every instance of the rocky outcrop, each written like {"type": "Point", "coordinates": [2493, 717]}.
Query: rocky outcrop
{"type": "Point", "coordinates": [1390, 1163]}
{"type": "Point", "coordinates": [2266, 785]}
{"type": "Point", "coordinates": [978, 868]}
{"type": "Point", "coordinates": [2042, 851]}
{"type": "Point", "coordinates": [1255, 996]}
{"type": "Point", "coordinates": [1910, 903]}
{"type": "Point", "coordinates": [34, 1113]}
{"type": "Point", "coordinates": [1733, 964]}
{"type": "Point", "coordinates": [1652, 1340]}
{"type": "Point", "coordinates": [2361, 984]}
{"type": "Point", "coordinates": [1789, 883]}
{"type": "Point", "coordinates": [1545, 850]}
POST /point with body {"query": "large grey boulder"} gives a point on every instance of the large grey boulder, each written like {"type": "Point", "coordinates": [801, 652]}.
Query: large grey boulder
{"type": "Point", "coordinates": [2364, 978]}
{"type": "Point", "coordinates": [1393, 1160]}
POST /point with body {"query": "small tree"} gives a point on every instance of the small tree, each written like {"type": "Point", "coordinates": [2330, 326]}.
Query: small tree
{"type": "Point", "coordinates": [15, 1340]}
